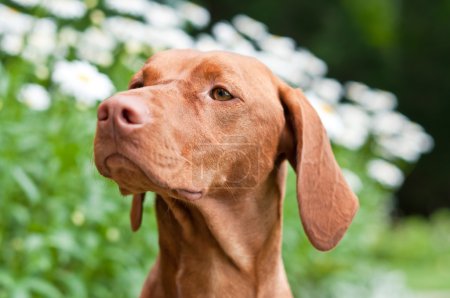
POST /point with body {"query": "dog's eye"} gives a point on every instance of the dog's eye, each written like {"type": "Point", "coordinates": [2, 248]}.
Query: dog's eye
{"type": "Point", "coordinates": [221, 94]}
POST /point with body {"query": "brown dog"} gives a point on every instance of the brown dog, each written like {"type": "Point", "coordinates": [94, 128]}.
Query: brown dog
{"type": "Point", "coordinates": [210, 133]}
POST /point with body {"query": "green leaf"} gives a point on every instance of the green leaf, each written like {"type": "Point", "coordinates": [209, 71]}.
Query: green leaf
{"type": "Point", "coordinates": [6, 281]}
{"type": "Point", "coordinates": [44, 288]}
{"type": "Point", "coordinates": [26, 184]}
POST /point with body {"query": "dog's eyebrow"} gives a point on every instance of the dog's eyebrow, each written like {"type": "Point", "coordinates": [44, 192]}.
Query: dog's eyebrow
{"type": "Point", "coordinates": [137, 81]}
{"type": "Point", "coordinates": [150, 73]}
{"type": "Point", "coordinates": [212, 69]}
{"type": "Point", "coordinates": [219, 72]}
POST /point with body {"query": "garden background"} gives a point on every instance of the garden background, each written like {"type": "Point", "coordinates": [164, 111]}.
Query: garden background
{"type": "Point", "coordinates": [65, 230]}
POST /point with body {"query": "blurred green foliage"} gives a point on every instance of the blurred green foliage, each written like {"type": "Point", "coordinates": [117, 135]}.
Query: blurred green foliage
{"type": "Point", "coordinates": [65, 230]}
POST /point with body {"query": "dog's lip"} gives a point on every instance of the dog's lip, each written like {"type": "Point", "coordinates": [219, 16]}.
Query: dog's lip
{"type": "Point", "coordinates": [117, 157]}
{"type": "Point", "coordinates": [189, 194]}
{"type": "Point", "coordinates": [182, 193]}
{"type": "Point", "coordinates": [114, 157]}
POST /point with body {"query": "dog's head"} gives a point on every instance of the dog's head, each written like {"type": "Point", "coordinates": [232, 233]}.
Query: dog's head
{"type": "Point", "coordinates": [195, 124]}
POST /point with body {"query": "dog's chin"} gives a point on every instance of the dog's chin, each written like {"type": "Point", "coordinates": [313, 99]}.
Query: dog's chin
{"type": "Point", "coordinates": [130, 178]}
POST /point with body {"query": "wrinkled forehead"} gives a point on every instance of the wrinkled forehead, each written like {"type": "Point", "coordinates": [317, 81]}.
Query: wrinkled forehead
{"type": "Point", "coordinates": [191, 64]}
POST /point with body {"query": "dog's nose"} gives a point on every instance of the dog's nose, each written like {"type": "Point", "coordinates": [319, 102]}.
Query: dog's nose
{"type": "Point", "coordinates": [125, 112]}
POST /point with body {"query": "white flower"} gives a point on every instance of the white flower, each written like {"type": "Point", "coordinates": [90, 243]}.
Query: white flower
{"type": "Point", "coordinates": [353, 180]}
{"type": "Point", "coordinates": [354, 90]}
{"type": "Point", "coordinates": [205, 42]}
{"type": "Point", "coordinates": [161, 16]}
{"type": "Point", "coordinates": [27, 3]}
{"type": "Point", "coordinates": [65, 9]}
{"type": "Point", "coordinates": [356, 126]}
{"type": "Point", "coordinates": [283, 68]}
{"type": "Point", "coordinates": [408, 145]}
{"type": "Point", "coordinates": [14, 22]}
{"type": "Point", "coordinates": [331, 120]}
{"type": "Point", "coordinates": [126, 29]}
{"type": "Point", "coordinates": [132, 7]}
{"type": "Point", "coordinates": [250, 27]}
{"type": "Point", "coordinates": [309, 63]}
{"type": "Point", "coordinates": [162, 38]}
{"type": "Point", "coordinates": [97, 17]}
{"type": "Point", "coordinates": [378, 100]}
{"type": "Point", "coordinates": [134, 48]}
{"type": "Point", "coordinates": [398, 137]}
{"type": "Point", "coordinates": [96, 46]}
{"type": "Point", "coordinates": [398, 147]}
{"type": "Point", "coordinates": [372, 100]}
{"type": "Point", "coordinates": [35, 97]}
{"type": "Point", "coordinates": [278, 45]}
{"type": "Point", "coordinates": [67, 37]}
{"type": "Point", "coordinates": [195, 14]}
{"type": "Point", "coordinates": [385, 173]}
{"type": "Point", "coordinates": [226, 34]}
{"type": "Point", "coordinates": [12, 44]}
{"type": "Point", "coordinates": [41, 41]}
{"type": "Point", "coordinates": [243, 47]}
{"type": "Point", "coordinates": [82, 81]}
{"type": "Point", "coordinates": [388, 123]}
{"type": "Point", "coordinates": [328, 89]}
{"type": "Point", "coordinates": [425, 142]}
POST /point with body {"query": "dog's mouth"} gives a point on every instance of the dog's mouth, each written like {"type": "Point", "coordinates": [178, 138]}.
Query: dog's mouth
{"type": "Point", "coordinates": [128, 175]}
{"type": "Point", "coordinates": [134, 179]}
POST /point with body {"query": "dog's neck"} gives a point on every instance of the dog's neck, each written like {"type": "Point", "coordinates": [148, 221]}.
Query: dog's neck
{"type": "Point", "coordinates": [214, 246]}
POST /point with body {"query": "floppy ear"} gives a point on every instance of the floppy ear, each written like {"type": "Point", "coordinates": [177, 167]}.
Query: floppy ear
{"type": "Point", "coordinates": [326, 203]}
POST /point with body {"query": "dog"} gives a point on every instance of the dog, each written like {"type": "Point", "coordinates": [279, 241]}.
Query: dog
{"type": "Point", "coordinates": [211, 134]}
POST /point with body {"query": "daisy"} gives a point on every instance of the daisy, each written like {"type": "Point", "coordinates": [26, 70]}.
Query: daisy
{"type": "Point", "coordinates": [131, 7]}
{"type": "Point", "coordinates": [126, 29]}
{"type": "Point", "coordinates": [409, 144]}
{"type": "Point", "coordinates": [163, 38]}
{"type": "Point", "coordinates": [328, 89]}
{"type": "Point", "coordinates": [27, 3]}
{"type": "Point", "coordinates": [35, 97]}
{"type": "Point", "coordinates": [250, 27]}
{"type": "Point", "coordinates": [82, 81]}
{"type": "Point", "coordinates": [331, 120]}
{"type": "Point", "coordinates": [194, 14]}
{"type": "Point", "coordinates": [41, 41]}
{"type": "Point", "coordinates": [356, 126]}
{"type": "Point", "coordinates": [370, 99]}
{"type": "Point", "coordinates": [353, 180]}
{"type": "Point", "coordinates": [385, 173]}
{"type": "Point", "coordinates": [65, 9]}
{"type": "Point", "coordinates": [12, 44]}
{"type": "Point", "coordinates": [14, 22]}
{"type": "Point", "coordinates": [96, 46]}
{"type": "Point", "coordinates": [280, 46]}
{"type": "Point", "coordinates": [161, 16]}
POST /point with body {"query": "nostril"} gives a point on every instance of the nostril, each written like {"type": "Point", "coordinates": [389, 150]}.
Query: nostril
{"type": "Point", "coordinates": [130, 116]}
{"type": "Point", "coordinates": [102, 113]}
{"type": "Point", "coordinates": [126, 114]}
{"type": "Point", "coordinates": [120, 111]}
